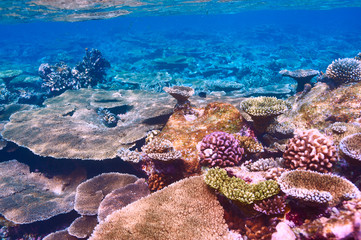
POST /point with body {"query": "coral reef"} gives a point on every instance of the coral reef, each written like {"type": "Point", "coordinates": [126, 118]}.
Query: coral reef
{"type": "Point", "coordinates": [121, 197]}
{"type": "Point", "coordinates": [344, 70]}
{"type": "Point", "coordinates": [237, 189]}
{"type": "Point", "coordinates": [271, 206]}
{"type": "Point", "coordinates": [184, 210]}
{"type": "Point", "coordinates": [350, 146]}
{"type": "Point", "coordinates": [90, 193]}
{"type": "Point", "coordinates": [27, 197]}
{"type": "Point", "coordinates": [58, 77]}
{"type": "Point", "coordinates": [249, 144]}
{"type": "Point", "coordinates": [302, 76]}
{"type": "Point", "coordinates": [69, 127]}
{"type": "Point", "coordinates": [263, 164]}
{"type": "Point", "coordinates": [161, 149]}
{"type": "Point", "coordinates": [310, 150]}
{"type": "Point", "coordinates": [60, 235]}
{"type": "Point", "coordinates": [92, 69]}
{"type": "Point", "coordinates": [342, 224]}
{"type": "Point", "coordinates": [322, 106]}
{"type": "Point", "coordinates": [263, 110]}
{"type": "Point", "coordinates": [185, 133]}
{"type": "Point", "coordinates": [317, 188]}
{"type": "Point", "coordinates": [181, 94]}
{"type": "Point", "coordinates": [83, 226]}
{"type": "Point", "coordinates": [220, 149]}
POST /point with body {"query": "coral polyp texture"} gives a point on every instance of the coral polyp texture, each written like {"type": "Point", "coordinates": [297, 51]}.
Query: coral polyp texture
{"type": "Point", "coordinates": [310, 150]}
{"type": "Point", "coordinates": [237, 189]}
{"type": "Point", "coordinates": [344, 70]}
{"type": "Point", "coordinates": [161, 149]}
{"type": "Point", "coordinates": [264, 106]}
{"type": "Point", "coordinates": [184, 210]}
{"type": "Point", "coordinates": [351, 147]}
{"type": "Point", "coordinates": [90, 193]}
{"type": "Point", "coordinates": [271, 206]}
{"type": "Point", "coordinates": [317, 188]}
{"type": "Point", "coordinates": [220, 149]}
{"type": "Point", "coordinates": [263, 110]}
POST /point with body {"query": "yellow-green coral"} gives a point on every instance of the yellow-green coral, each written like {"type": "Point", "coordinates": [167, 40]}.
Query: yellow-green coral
{"type": "Point", "coordinates": [264, 106]}
{"type": "Point", "coordinates": [237, 189]}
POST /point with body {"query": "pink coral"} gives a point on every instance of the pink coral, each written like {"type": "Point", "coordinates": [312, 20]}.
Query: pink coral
{"type": "Point", "coordinates": [310, 150]}
{"type": "Point", "coordinates": [220, 149]}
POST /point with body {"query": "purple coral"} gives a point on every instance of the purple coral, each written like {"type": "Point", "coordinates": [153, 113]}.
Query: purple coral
{"type": "Point", "coordinates": [220, 149]}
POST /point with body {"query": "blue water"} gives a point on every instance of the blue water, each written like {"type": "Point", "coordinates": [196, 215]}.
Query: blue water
{"type": "Point", "coordinates": [261, 41]}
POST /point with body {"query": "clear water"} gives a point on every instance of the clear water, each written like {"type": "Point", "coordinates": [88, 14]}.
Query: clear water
{"type": "Point", "coordinates": [260, 40]}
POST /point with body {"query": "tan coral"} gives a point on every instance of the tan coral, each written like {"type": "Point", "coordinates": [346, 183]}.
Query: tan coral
{"type": "Point", "coordinates": [317, 188]}
{"type": "Point", "coordinates": [310, 150]}
{"type": "Point", "coordinates": [90, 193]}
{"type": "Point", "coordinates": [83, 226]}
{"type": "Point", "coordinates": [27, 197]}
{"type": "Point", "coordinates": [184, 210]}
{"type": "Point", "coordinates": [350, 147]}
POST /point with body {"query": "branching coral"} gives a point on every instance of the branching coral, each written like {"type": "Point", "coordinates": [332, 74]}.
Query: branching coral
{"type": "Point", "coordinates": [249, 144]}
{"type": "Point", "coordinates": [310, 150]}
{"type": "Point", "coordinates": [263, 164]}
{"type": "Point", "coordinates": [271, 206]}
{"type": "Point", "coordinates": [344, 70]}
{"type": "Point", "coordinates": [161, 149]}
{"type": "Point", "coordinates": [220, 149]}
{"type": "Point", "coordinates": [237, 189]}
{"type": "Point", "coordinates": [317, 188]}
{"type": "Point", "coordinates": [263, 110]}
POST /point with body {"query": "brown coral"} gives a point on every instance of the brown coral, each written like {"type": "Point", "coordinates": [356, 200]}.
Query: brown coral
{"type": "Point", "coordinates": [161, 149]}
{"type": "Point", "coordinates": [310, 150]}
{"type": "Point", "coordinates": [271, 206]}
{"type": "Point", "coordinates": [83, 226]}
{"type": "Point", "coordinates": [317, 188]}
{"type": "Point", "coordinates": [249, 144]}
{"type": "Point", "coordinates": [156, 181]}
{"type": "Point", "coordinates": [187, 209]}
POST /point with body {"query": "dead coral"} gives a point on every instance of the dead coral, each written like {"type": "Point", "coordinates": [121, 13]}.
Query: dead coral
{"type": "Point", "coordinates": [317, 188]}
{"type": "Point", "coordinates": [310, 150]}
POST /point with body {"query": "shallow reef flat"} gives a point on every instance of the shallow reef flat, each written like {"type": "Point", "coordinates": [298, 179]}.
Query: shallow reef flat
{"type": "Point", "coordinates": [210, 167]}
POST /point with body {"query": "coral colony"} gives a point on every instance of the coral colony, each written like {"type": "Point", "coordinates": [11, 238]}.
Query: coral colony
{"type": "Point", "coordinates": [180, 163]}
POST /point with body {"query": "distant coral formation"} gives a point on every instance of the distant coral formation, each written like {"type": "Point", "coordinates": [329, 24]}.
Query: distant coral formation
{"type": "Point", "coordinates": [220, 149]}
{"type": "Point", "coordinates": [237, 189]}
{"type": "Point", "coordinates": [310, 150]}
{"type": "Point", "coordinates": [59, 77]}
{"type": "Point", "coordinates": [344, 70]}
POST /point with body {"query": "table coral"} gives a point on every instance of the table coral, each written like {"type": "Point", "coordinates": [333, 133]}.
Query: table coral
{"type": "Point", "coordinates": [310, 150]}
{"type": "Point", "coordinates": [90, 193]}
{"type": "Point", "coordinates": [237, 189]}
{"type": "Point", "coordinates": [350, 146]}
{"type": "Point", "coordinates": [220, 149]}
{"type": "Point", "coordinates": [263, 110]}
{"type": "Point", "coordinates": [317, 188]}
{"type": "Point", "coordinates": [28, 197]}
{"type": "Point", "coordinates": [184, 210]}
